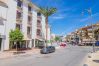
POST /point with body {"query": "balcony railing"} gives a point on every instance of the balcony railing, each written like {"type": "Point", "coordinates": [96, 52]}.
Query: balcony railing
{"type": "Point", "coordinates": [29, 13]}
{"type": "Point", "coordinates": [39, 26]}
{"type": "Point", "coordinates": [39, 37]}
{"type": "Point", "coordinates": [29, 35]}
{"type": "Point", "coordinates": [19, 20]}
{"type": "Point", "coordinates": [19, 9]}
{"type": "Point", "coordinates": [29, 24]}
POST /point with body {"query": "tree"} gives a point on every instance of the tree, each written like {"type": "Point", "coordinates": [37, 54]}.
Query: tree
{"type": "Point", "coordinates": [96, 34]}
{"type": "Point", "coordinates": [57, 38]}
{"type": "Point", "coordinates": [86, 34]}
{"type": "Point", "coordinates": [15, 36]}
{"type": "Point", "coordinates": [47, 12]}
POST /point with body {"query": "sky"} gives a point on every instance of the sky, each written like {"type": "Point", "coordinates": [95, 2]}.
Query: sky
{"type": "Point", "coordinates": [69, 17]}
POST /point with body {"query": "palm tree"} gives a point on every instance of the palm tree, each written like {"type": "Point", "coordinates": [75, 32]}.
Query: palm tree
{"type": "Point", "coordinates": [47, 12]}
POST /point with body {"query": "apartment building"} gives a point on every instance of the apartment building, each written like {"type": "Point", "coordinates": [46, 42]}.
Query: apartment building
{"type": "Point", "coordinates": [85, 35]}
{"type": "Point", "coordinates": [24, 15]}
{"type": "Point", "coordinates": [3, 6]}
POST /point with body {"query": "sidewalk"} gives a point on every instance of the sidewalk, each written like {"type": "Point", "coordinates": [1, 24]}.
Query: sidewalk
{"type": "Point", "coordinates": [93, 59]}
{"type": "Point", "coordinates": [8, 54]}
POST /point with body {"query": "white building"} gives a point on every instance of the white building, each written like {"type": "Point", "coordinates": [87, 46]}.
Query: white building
{"type": "Point", "coordinates": [3, 20]}
{"type": "Point", "coordinates": [24, 15]}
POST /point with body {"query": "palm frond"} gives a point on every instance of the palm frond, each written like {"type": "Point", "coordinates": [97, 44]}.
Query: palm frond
{"type": "Point", "coordinates": [47, 11]}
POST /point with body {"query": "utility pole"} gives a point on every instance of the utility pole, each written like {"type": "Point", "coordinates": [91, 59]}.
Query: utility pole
{"type": "Point", "coordinates": [92, 39]}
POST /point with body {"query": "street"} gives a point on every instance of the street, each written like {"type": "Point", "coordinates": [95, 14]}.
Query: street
{"type": "Point", "coordinates": [69, 56]}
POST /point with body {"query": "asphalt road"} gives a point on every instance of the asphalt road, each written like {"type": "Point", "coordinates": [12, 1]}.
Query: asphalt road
{"type": "Point", "coordinates": [69, 56]}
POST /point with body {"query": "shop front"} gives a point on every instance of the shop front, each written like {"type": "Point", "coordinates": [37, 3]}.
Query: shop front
{"type": "Point", "coordinates": [39, 43]}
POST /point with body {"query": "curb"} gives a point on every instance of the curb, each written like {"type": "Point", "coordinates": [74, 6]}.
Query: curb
{"type": "Point", "coordinates": [18, 55]}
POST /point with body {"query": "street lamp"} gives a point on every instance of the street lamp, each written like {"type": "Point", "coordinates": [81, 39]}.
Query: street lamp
{"type": "Point", "coordinates": [89, 11]}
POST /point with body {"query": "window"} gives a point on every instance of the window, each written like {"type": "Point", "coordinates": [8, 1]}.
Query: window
{"type": "Point", "coordinates": [38, 14]}
{"type": "Point", "coordinates": [28, 30]}
{"type": "Point", "coordinates": [38, 32]}
{"type": "Point", "coordinates": [29, 18]}
{"type": "Point", "coordinates": [19, 26]}
{"type": "Point", "coordinates": [29, 8]}
{"type": "Point", "coordinates": [19, 3]}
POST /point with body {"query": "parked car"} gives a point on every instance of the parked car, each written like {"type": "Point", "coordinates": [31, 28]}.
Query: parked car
{"type": "Point", "coordinates": [48, 49]}
{"type": "Point", "coordinates": [63, 44]}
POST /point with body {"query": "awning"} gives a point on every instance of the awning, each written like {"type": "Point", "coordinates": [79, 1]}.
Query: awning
{"type": "Point", "coordinates": [40, 39]}
{"type": "Point", "coordinates": [3, 4]}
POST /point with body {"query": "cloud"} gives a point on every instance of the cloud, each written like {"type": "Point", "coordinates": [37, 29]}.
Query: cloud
{"type": "Point", "coordinates": [58, 17]}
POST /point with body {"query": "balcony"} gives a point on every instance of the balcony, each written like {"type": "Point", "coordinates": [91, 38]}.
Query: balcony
{"type": "Point", "coordinates": [29, 21]}
{"type": "Point", "coordinates": [29, 35]}
{"type": "Point", "coordinates": [19, 3]}
{"type": "Point", "coordinates": [39, 34]}
{"type": "Point", "coordinates": [19, 20]}
{"type": "Point", "coordinates": [39, 26]}
{"type": "Point", "coordinates": [39, 18]}
{"type": "Point", "coordinates": [30, 13]}
{"type": "Point", "coordinates": [19, 9]}
{"type": "Point", "coordinates": [19, 26]}
{"type": "Point", "coordinates": [29, 24]}
{"type": "Point", "coordinates": [29, 10]}
{"type": "Point", "coordinates": [29, 30]}
{"type": "Point", "coordinates": [39, 37]}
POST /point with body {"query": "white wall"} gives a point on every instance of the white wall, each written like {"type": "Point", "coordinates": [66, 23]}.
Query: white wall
{"type": "Point", "coordinates": [3, 12]}
{"type": "Point", "coordinates": [25, 19]}
{"type": "Point", "coordinates": [11, 20]}
{"type": "Point", "coordinates": [43, 26]}
{"type": "Point", "coordinates": [10, 15]}
{"type": "Point", "coordinates": [34, 24]}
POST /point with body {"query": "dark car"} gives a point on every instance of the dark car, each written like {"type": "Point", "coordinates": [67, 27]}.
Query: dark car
{"type": "Point", "coordinates": [48, 49]}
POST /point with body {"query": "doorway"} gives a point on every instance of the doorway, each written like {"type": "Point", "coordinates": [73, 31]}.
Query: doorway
{"type": "Point", "coordinates": [0, 43]}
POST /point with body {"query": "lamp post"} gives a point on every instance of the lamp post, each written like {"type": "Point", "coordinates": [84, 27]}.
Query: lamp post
{"type": "Point", "coordinates": [89, 11]}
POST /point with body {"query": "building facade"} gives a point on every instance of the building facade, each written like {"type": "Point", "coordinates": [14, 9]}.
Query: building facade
{"type": "Point", "coordinates": [25, 16]}
{"type": "Point", "coordinates": [84, 35]}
